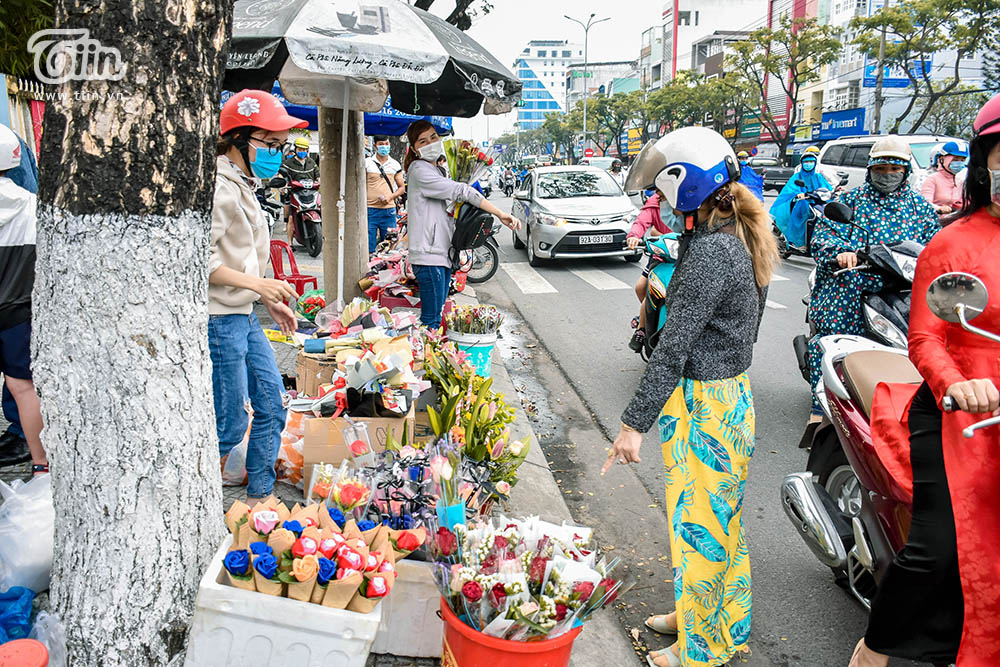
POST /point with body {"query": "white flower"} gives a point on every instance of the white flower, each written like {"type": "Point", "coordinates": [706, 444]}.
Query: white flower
{"type": "Point", "coordinates": [248, 106]}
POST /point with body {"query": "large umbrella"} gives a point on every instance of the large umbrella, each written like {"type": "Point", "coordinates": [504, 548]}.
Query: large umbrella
{"type": "Point", "coordinates": [351, 54]}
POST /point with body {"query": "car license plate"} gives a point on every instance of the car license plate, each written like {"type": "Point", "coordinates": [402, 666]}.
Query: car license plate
{"type": "Point", "coordinates": [596, 239]}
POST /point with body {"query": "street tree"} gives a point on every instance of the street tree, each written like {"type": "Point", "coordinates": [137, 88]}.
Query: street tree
{"type": "Point", "coordinates": [615, 114]}
{"type": "Point", "coordinates": [19, 20]}
{"type": "Point", "coordinates": [916, 30]}
{"type": "Point", "coordinates": [953, 114]}
{"type": "Point", "coordinates": [561, 130]}
{"type": "Point", "coordinates": [776, 62]}
{"type": "Point", "coordinates": [121, 358]}
{"type": "Point", "coordinates": [991, 63]}
{"type": "Point", "coordinates": [464, 12]}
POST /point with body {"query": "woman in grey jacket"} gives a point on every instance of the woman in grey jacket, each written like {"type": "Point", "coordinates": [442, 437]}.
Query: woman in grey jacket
{"type": "Point", "coordinates": [430, 227]}
{"type": "Point", "coordinates": [697, 391]}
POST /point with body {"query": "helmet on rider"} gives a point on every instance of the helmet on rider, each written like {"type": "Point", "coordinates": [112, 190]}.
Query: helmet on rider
{"type": "Point", "coordinates": [889, 164]}
{"type": "Point", "coordinates": [10, 149]}
{"type": "Point", "coordinates": [812, 150]}
{"type": "Point", "coordinates": [302, 142]}
{"type": "Point", "coordinates": [982, 187]}
{"type": "Point", "coordinates": [687, 165]}
{"type": "Point", "coordinates": [251, 111]}
{"type": "Point", "coordinates": [988, 119]}
{"type": "Point", "coordinates": [616, 164]}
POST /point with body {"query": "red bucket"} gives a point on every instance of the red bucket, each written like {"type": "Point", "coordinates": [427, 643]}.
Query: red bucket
{"type": "Point", "coordinates": [465, 647]}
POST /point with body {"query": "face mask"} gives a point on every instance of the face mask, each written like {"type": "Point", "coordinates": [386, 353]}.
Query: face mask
{"type": "Point", "coordinates": [431, 152]}
{"type": "Point", "coordinates": [995, 186]}
{"type": "Point", "coordinates": [886, 183]}
{"type": "Point", "coordinates": [383, 150]}
{"type": "Point", "coordinates": [673, 221]}
{"type": "Point", "coordinates": [302, 154]}
{"type": "Point", "coordinates": [743, 163]}
{"type": "Point", "coordinates": [265, 164]}
{"type": "Point", "coordinates": [808, 165]}
{"type": "Point", "coordinates": [956, 166]}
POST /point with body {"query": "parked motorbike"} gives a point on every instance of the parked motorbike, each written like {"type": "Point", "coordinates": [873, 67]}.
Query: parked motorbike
{"type": "Point", "coordinates": [482, 263]}
{"type": "Point", "coordinates": [887, 312]}
{"type": "Point", "coordinates": [307, 223]}
{"type": "Point", "coordinates": [850, 511]}
{"type": "Point", "coordinates": [664, 250]}
{"type": "Point", "coordinates": [818, 199]}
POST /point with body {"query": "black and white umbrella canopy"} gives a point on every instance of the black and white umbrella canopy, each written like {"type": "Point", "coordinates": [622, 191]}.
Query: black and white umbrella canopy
{"type": "Point", "coordinates": [317, 48]}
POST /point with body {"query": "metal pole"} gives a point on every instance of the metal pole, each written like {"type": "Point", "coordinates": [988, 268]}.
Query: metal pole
{"type": "Point", "coordinates": [877, 116]}
{"type": "Point", "coordinates": [586, 44]}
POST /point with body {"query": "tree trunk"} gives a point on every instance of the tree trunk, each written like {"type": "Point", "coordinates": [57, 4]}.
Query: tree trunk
{"type": "Point", "coordinates": [120, 329]}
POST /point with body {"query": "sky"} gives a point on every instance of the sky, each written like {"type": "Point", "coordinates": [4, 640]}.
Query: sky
{"type": "Point", "coordinates": [513, 23]}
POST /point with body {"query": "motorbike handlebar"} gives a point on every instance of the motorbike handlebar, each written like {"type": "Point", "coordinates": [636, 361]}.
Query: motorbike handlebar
{"type": "Point", "coordinates": [948, 404]}
{"type": "Point", "coordinates": [859, 267]}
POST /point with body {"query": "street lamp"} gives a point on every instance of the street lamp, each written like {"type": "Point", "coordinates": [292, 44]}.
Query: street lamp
{"type": "Point", "coordinates": [586, 34]}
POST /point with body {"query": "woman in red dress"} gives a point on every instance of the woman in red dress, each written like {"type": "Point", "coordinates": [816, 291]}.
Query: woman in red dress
{"type": "Point", "coordinates": [939, 601]}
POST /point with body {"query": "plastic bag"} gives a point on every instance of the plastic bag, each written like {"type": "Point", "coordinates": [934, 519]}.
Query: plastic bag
{"type": "Point", "coordinates": [49, 630]}
{"type": "Point", "coordinates": [26, 527]}
{"type": "Point", "coordinates": [310, 304]}
{"type": "Point", "coordinates": [15, 613]}
{"type": "Point", "coordinates": [290, 461]}
{"type": "Point", "coordinates": [234, 468]}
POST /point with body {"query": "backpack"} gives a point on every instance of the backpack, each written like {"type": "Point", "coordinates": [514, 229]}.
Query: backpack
{"type": "Point", "coordinates": [472, 227]}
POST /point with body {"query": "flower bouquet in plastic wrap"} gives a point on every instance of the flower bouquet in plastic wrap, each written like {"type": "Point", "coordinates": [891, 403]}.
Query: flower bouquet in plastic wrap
{"type": "Point", "coordinates": [467, 163]}
{"type": "Point", "coordinates": [523, 579]}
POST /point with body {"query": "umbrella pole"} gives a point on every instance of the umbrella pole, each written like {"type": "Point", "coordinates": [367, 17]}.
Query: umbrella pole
{"type": "Point", "coordinates": [341, 202]}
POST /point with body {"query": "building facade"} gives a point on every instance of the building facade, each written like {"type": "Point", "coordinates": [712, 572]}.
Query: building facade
{"type": "Point", "coordinates": [542, 68]}
{"type": "Point", "coordinates": [709, 53]}
{"type": "Point", "coordinates": [685, 22]}
{"type": "Point", "coordinates": [604, 78]}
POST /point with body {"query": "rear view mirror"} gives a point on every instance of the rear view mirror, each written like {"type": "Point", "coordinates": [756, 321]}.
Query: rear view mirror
{"type": "Point", "coordinates": [838, 212]}
{"type": "Point", "coordinates": [277, 182]}
{"type": "Point", "coordinates": [957, 297]}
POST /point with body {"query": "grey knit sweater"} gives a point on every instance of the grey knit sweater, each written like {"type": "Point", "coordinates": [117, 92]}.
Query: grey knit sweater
{"type": "Point", "coordinates": [714, 310]}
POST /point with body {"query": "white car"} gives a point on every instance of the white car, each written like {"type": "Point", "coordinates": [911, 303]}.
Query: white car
{"type": "Point", "coordinates": [848, 156]}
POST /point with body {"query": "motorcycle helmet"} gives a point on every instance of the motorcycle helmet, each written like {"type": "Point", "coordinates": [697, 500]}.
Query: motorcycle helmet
{"type": "Point", "coordinates": [954, 148]}
{"type": "Point", "coordinates": [812, 150]}
{"type": "Point", "coordinates": [302, 142]}
{"type": "Point", "coordinates": [743, 155]}
{"type": "Point", "coordinates": [10, 149]}
{"type": "Point", "coordinates": [988, 119]}
{"type": "Point", "coordinates": [889, 148]}
{"type": "Point", "coordinates": [248, 110]}
{"type": "Point", "coordinates": [686, 165]}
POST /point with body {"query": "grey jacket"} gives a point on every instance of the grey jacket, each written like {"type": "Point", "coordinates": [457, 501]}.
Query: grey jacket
{"type": "Point", "coordinates": [714, 310]}
{"type": "Point", "coordinates": [429, 227]}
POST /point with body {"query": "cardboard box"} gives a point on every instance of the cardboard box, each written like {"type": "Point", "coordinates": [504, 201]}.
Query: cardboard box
{"type": "Point", "coordinates": [324, 439]}
{"type": "Point", "coordinates": [313, 370]}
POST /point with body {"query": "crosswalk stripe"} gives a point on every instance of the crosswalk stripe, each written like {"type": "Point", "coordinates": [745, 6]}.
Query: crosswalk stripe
{"type": "Point", "coordinates": [773, 305]}
{"type": "Point", "coordinates": [599, 279]}
{"type": "Point", "coordinates": [527, 279]}
{"type": "Point", "coordinates": [775, 278]}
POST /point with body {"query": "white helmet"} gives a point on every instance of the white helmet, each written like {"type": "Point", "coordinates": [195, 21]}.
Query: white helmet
{"type": "Point", "coordinates": [10, 149]}
{"type": "Point", "coordinates": [686, 165]}
{"type": "Point", "coordinates": [891, 146]}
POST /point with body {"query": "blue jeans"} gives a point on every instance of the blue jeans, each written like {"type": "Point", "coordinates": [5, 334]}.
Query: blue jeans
{"type": "Point", "coordinates": [435, 283]}
{"type": "Point", "coordinates": [380, 221]}
{"type": "Point", "coordinates": [243, 365]}
{"type": "Point", "coordinates": [10, 412]}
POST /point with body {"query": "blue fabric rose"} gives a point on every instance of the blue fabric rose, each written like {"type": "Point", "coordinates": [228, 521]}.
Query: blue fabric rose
{"type": "Point", "coordinates": [367, 524]}
{"type": "Point", "coordinates": [327, 571]}
{"type": "Point", "coordinates": [237, 562]}
{"type": "Point", "coordinates": [266, 565]}
{"type": "Point", "coordinates": [293, 527]}
{"type": "Point", "coordinates": [261, 548]}
{"type": "Point", "coordinates": [337, 516]}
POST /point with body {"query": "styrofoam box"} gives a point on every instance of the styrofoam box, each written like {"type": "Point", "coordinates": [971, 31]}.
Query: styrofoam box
{"type": "Point", "coordinates": [410, 624]}
{"type": "Point", "coordinates": [235, 628]}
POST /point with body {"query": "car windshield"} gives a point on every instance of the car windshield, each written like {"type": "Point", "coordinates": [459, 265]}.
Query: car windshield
{"type": "Point", "coordinates": [602, 162]}
{"type": "Point", "coordinates": [922, 153]}
{"type": "Point", "coordinates": [763, 162]}
{"type": "Point", "coordinates": [565, 184]}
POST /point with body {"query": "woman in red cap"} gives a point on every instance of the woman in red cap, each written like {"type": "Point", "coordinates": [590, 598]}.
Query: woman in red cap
{"type": "Point", "coordinates": [254, 127]}
{"type": "Point", "coordinates": [940, 599]}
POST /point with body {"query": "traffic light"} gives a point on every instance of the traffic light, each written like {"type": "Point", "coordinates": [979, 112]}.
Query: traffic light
{"type": "Point", "coordinates": [520, 103]}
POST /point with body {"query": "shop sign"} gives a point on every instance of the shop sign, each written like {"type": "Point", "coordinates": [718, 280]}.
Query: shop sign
{"type": "Point", "coordinates": [634, 141]}
{"type": "Point", "coordinates": [841, 123]}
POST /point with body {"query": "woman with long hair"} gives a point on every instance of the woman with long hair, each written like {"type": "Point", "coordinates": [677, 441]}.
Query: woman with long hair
{"type": "Point", "coordinates": [697, 391]}
{"type": "Point", "coordinates": [940, 598]}
{"type": "Point", "coordinates": [430, 227]}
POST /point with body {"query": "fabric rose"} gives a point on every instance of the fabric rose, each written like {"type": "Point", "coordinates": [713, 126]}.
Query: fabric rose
{"type": "Point", "coordinates": [305, 568]}
{"type": "Point", "coordinates": [386, 566]}
{"type": "Point", "coordinates": [266, 565]}
{"type": "Point", "coordinates": [349, 558]}
{"type": "Point", "coordinates": [337, 516]}
{"type": "Point", "coordinates": [498, 596]}
{"type": "Point", "coordinates": [503, 488]}
{"type": "Point", "coordinates": [293, 527]}
{"type": "Point", "coordinates": [345, 572]}
{"type": "Point", "coordinates": [472, 591]}
{"type": "Point", "coordinates": [327, 571]}
{"type": "Point", "coordinates": [377, 588]}
{"type": "Point", "coordinates": [446, 541]}
{"type": "Point", "coordinates": [359, 448]}
{"type": "Point", "coordinates": [372, 563]}
{"type": "Point", "coordinates": [304, 546]}
{"type": "Point", "coordinates": [237, 562]}
{"type": "Point", "coordinates": [365, 525]}
{"type": "Point", "coordinates": [583, 590]}
{"type": "Point", "coordinates": [329, 546]}
{"type": "Point", "coordinates": [260, 548]}
{"type": "Point", "coordinates": [264, 521]}
{"type": "Point", "coordinates": [500, 542]}
{"type": "Point", "coordinates": [561, 611]}
{"type": "Point", "coordinates": [407, 541]}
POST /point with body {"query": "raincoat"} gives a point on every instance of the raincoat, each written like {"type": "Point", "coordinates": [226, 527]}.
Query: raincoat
{"type": "Point", "coordinates": [791, 215]}
{"type": "Point", "coordinates": [753, 181]}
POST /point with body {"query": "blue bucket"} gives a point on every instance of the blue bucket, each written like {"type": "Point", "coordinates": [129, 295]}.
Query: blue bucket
{"type": "Point", "coordinates": [478, 347]}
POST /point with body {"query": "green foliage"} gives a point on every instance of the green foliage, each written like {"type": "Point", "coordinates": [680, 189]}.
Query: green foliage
{"type": "Point", "coordinates": [464, 12]}
{"type": "Point", "coordinates": [19, 19]}
{"type": "Point", "coordinates": [952, 114]}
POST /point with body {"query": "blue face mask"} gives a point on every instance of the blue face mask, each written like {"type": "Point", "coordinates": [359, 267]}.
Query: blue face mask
{"type": "Point", "coordinates": [265, 164]}
{"type": "Point", "coordinates": [383, 150]}
{"type": "Point", "coordinates": [808, 165]}
{"type": "Point", "coordinates": [302, 154]}
{"type": "Point", "coordinates": [956, 166]}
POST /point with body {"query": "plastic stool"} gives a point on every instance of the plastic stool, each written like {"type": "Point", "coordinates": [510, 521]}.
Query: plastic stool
{"type": "Point", "coordinates": [24, 653]}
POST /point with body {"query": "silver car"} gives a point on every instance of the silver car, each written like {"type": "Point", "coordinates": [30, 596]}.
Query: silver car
{"type": "Point", "coordinates": [573, 212]}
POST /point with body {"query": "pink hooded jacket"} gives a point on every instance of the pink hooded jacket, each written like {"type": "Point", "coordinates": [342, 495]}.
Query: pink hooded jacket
{"type": "Point", "coordinates": [941, 189]}
{"type": "Point", "coordinates": [649, 216]}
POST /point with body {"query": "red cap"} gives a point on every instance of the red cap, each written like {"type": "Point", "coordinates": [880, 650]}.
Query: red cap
{"type": "Point", "coordinates": [988, 119]}
{"type": "Point", "coordinates": [23, 653]}
{"type": "Point", "coordinates": [256, 108]}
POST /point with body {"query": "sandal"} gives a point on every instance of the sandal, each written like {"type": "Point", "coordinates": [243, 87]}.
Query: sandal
{"type": "Point", "coordinates": [672, 659]}
{"type": "Point", "coordinates": [40, 469]}
{"type": "Point", "coordinates": [659, 624]}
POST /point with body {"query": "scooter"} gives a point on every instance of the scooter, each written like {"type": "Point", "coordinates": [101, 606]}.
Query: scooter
{"type": "Point", "coordinates": [508, 187]}
{"type": "Point", "coordinates": [818, 199]}
{"type": "Point", "coordinates": [887, 312]}
{"type": "Point", "coordinates": [850, 511]}
{"type": "Point", "coordinates": [307, 223]}
{"type": "Point", "coordinates": [482, 263]}
{"type": "Point", "coordinates": [664, 251]}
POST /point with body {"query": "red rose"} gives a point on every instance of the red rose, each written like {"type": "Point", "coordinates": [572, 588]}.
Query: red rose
{"type": "Point", "coordinates": [561, 611]}
{"type": "Point", "coordinates": [472, 591]}
{"type": "Point", "coordinates": [304, 546]}
{"type": "Point", "coordinates": [359, 448]}
{"type": "Point", "coordinates": [328, 548]}
{"type": "Point", "coordinates": [377, 588]}
{"type": "Point", "coordinates": [372, 563]}
{"type": "Point", "coordinates": [498, 595]}
{"type": "Point", "coordinates": [584, 589]}
{"type": "Point", "coordinates": [489, 163]}
{"type": "Point", "coordinates": [537, 571]}
{"type": "Point", "coordinates": [482, 156]}
{"type": "Point", "coordinates": [500, 542]}
{"type": "Point", "coordinates": [407, 541]}
{"type": "Point", "coordinates": [350, 495]}
{"type": "Point", "coordinates": [345, 572]}
{"type": "Point", "coordinates": [349, 558]}
{"type": "Point", "coordinates": [490, 565]}
{"type": "Point", "coordinates": [446, 541]}
{"type": "Point", "coordinates": [608, 584]}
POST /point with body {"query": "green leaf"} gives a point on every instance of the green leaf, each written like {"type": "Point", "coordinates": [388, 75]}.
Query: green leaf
{"type": "Point", "coordinates": [286, 578]}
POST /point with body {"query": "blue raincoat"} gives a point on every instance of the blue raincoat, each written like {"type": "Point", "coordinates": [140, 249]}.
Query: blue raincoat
{"type": "Point", "coordinates": [753, 181]}
{"type": "Point", "coordinates": [791, 215]}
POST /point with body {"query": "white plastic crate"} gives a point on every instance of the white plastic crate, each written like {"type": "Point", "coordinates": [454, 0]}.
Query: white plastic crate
{"type": "Point", "coordinates": [235, 628]}
{"type": "Point", "coordinates": [410, 623]}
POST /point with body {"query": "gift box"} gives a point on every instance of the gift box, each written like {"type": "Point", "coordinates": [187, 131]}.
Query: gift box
{"type": "Point", "coordinates": [324, 439]}
{"type": "Point", "coordinates": [313, 370]}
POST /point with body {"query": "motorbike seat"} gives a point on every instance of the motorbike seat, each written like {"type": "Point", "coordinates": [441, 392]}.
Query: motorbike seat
{"type": "Point", "coordinates": [864, 369]}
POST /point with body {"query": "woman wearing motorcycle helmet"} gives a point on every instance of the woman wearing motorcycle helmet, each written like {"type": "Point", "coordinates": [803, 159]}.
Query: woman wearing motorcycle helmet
{"type": "Point", "coordinates": [890, 211]}
{"type": "Point", "coordinates": [790, 210]}
{"type": "Point", "coordinates": [696, 388]}
{"type": "Point", "coordinates": [940, 599]}
{"type": "Point", "coordinates": [254, 127]}
{"type": "Point", "coordinates": [942, 188]}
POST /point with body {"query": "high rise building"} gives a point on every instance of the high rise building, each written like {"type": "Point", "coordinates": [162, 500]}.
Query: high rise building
{"type": "Point", "coordinates": [542, 69]}
{"type": "Point", "coordinates": [688, 21]}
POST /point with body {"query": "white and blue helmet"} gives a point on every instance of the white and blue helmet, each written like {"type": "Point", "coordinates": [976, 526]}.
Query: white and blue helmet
{"type": "Point", "coordinates": [686, 165]}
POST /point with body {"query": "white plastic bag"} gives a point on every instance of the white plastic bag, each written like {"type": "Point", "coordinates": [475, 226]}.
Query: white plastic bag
{"type": "Point", "coordinates": [234, 472]}
{"type": "Point", "coordinates": [26, 528]}
{"type": "Point", "coordinates": [50, 631]}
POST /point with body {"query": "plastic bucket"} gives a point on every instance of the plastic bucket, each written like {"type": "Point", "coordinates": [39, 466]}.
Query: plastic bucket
{"type": "Point", "coordinates": [478, 347]}
{"type": "Point", "coordinates": [24, 653]}
{"type": "Point", "coordinates": [466, 647]}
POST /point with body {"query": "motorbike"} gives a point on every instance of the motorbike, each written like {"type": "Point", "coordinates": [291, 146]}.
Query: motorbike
{"type": "Point", "coordinates": [272, 207]}
{"type": "Point", "coordinates": [887, 312]}
{"type": "Point", "coordinates": [847, 507]}
{"type": "Point", "coordinates": [664, 251]}
{"type": "Point", "coordinates": [482, 263]}
{"type": "Point", "coordinates": [487, 188]}
{"type": "Point", "coordinates": [818, 199]}
{"type": "Point", "coordinates": [307, 223]}
{"type": "Point", "coordinates": [508, 187]}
